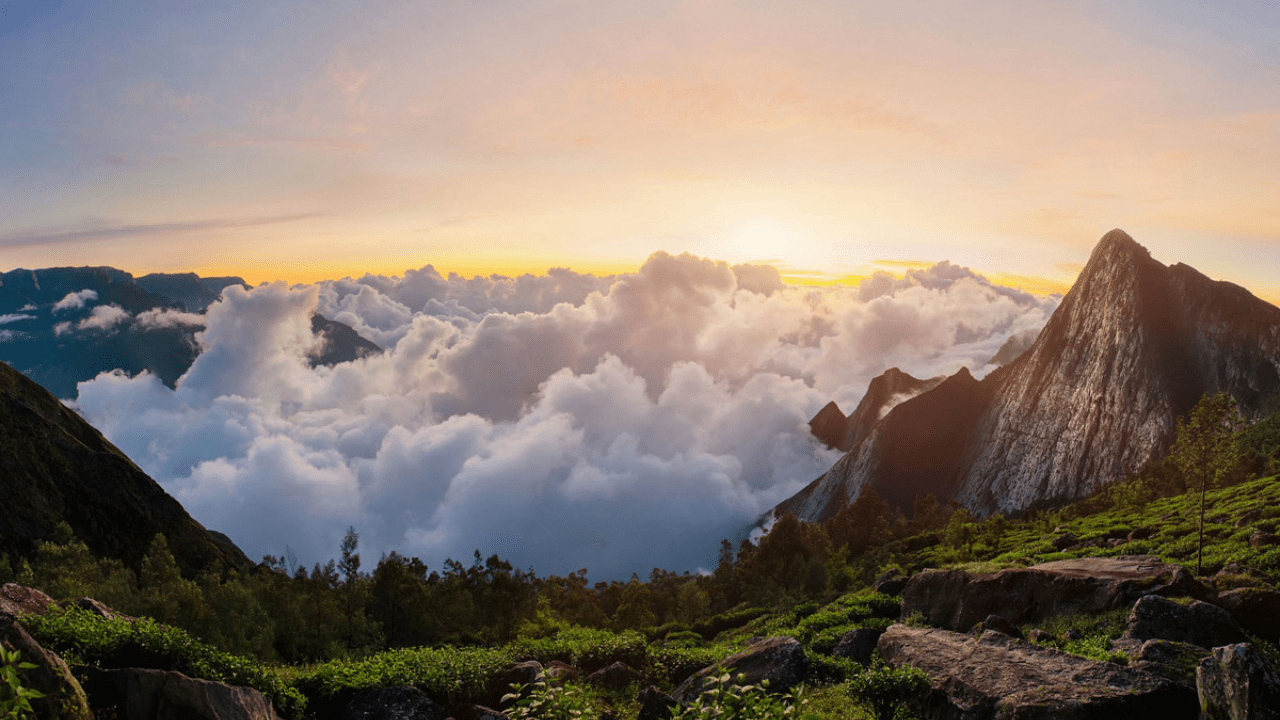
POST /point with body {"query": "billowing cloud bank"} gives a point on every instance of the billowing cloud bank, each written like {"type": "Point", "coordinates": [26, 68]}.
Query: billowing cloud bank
{"type": "Point", "coordinates": [561, 421]}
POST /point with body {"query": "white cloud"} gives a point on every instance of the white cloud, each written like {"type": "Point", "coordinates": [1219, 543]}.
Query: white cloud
{"type": "Point", "coordinates": [15, 317]}
{"type": "Point", "coordinates": [75, 300]}
{"type": "Point", "coordinates": [103, 317]}
{"type": "Point", "coordinates": [161, 318]}
{"type": "Point", "coordinates": [562, 421]}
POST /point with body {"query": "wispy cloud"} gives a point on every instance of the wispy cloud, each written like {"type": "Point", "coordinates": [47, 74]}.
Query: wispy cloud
{"type": "Point", "coordinates": [98, 232]}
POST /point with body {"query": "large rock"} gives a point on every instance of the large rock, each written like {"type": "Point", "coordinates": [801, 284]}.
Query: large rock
{"type": "Point", "coordinates": [654, 704]}
{"type": "Point", "coordinates": [403, 702]}
{"type": "Point", "coordinates": [996, 676]}
{"type": "Point", "coordinates": [145, 694]}
{"type": "Point", "coordinates": [956, 600]}
{"type": "Point", "coordinates": [21, 600]}
{"type": "Point", "coordinates": [1237, 683]}
{"type": "Point", "coordinates": [1199, 623]}
{"type": "Point", "coordinates": [614, 677]}
{"type": "Point", "coordinates": [1256, 609]}
{"type": "Point", "coordinates": [1176, 661]}
{"type": "Point", "coordinates": [779, 660]}
{"type": "Point", "coordinates": [63, 698]}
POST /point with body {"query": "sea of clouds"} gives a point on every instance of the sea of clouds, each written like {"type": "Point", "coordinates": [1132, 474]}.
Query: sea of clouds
{"type": "Point", "coordinates": [562, 421]}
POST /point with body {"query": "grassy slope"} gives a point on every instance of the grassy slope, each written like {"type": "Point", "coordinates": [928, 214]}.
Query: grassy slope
{"type": "Point", "coordinates": [459, 674]}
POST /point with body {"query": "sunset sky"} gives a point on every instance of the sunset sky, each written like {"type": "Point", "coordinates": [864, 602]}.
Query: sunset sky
{"type": "Point", "coordinates": [281, 139]}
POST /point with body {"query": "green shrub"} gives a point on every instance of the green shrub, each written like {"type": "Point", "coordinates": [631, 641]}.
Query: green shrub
{"type": "Point", "coordinates": [883, 692]}
{"type": "Point", "coordinates": [453, 674]}
{"type": "Point", "coordinates": [84, 638]}
{"type": "Point", "coordinates": [727, 698]}
{"type": "Point", "coordinates": [545, 699]}
{"type": "Point", "coordinates": [15, 700]}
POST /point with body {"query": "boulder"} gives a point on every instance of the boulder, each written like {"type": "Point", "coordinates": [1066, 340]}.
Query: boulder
{"type": "Point", "coordinates": [1199, 623]}
{"type": "Point", "coordinates": [519, 673]}
{"type": "Point", "coordinates": [1000, 625]}
{"type": "Point", "coordinates": [481, 712]}
{"type": "Point", "coordinates": [858, 645]}
{"type": "Point", "coordinates": [1256, 609]}
{"type": "Point", "coordinates": [562, 671]}
{"type": "Point", "coordinates": [1176, 661]}
{"type": "Point", "coordinates": [18, 599]}
{"type": "Point", "coordinates": [614, 677]}
{"type": "Point", "coordinates": [997, 676]}
{"type": "Point", "coordinates": [1261, 539]}
{"type": "Point", "coordinates": [654, 704]}
{"type": "Point", "coordinates": [63, 696]}
{"type": "Point", "coordinates": [1064, 541]}
{"type": "Point", "coordinates": [403, 702]}
{"type": "Point", "coordinates": [1040, 636]}
{"type": "Point", "coordinates": [1237, 683]}
{"type": "Point", "coordinates": [890, 582]}
{"type": "Point", "coordinates": [780, 660]}
{"type": "Point", "coordinates": [97, 608]}
{"type": "Point", "coordinates": [145, 694]}
{"type": "Point", "coordinates": [956, 600]}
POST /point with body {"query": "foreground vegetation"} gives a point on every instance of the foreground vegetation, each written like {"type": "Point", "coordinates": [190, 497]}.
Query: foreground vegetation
{"type": "Point", "coordinates": [310, 639]}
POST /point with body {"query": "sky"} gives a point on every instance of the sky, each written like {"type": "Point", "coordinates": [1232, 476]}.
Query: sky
{"type": "Point", "coordinates": [616, 253]}
{"type": "Point", "coordinates": [295, 140]}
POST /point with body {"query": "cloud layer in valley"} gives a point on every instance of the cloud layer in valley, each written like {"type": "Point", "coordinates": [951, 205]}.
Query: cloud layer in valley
{"type": "Point", "coordinates": [562, 421]}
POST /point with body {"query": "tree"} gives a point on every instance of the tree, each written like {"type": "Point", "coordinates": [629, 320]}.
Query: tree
{"type": "Point", "coordinates": [1208, 448]}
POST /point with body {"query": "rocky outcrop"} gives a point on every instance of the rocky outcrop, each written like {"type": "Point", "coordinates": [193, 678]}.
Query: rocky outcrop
{"type": "Point", "coordinates": [1237, 683]}
{"type": "Point", "coordinates": [63, 697]}
{"type": "Point", "coordinates": [1132, 346]}
{"type": "Point", "coordinates": [21, 600]}
{"type": "Point", "coordinates": [1017, 344]}
{"type": "Point", "coordinates": [144, 694]}
{"type": "Point", "coordinates": [829, 425]}
{"type": "Point", "coordinates": [403, 702]}
{"type": "Point", "coordinates": [1199, 623]}
{"type": "Point", "coordinates": [779, 660]}
{"type": "Point", "coordinates": [957, 600]}
{"type": "Point", "coordinates": [996, 676]}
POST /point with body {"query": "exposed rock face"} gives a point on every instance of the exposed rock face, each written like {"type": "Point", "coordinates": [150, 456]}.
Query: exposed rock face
{"type": "Point", "coordinates": [21, 600]}
{"type": "Point", "coordinates": [340, 342]}
{"type": "Point", "coordinates": [956, 600]}
{"type": "Point", "coordinates": [1199, 623]}
{"type": "Point", "coordinates": [829, 425]}
{"type": "Point", "coordinates": [1132, 346]}
{"type": "Point", "coordinates": [996, 676]}
{"type": "Point", "coordinates": [1237, 683]}
{"type": "Point", "coordinates": [780, 660]}
{"type": "Point", "coordinates": [57, 467]}
{"type": "Point", "coordinates": [63, 697]}
{"type": "Point", "coordinates": [143, 694]}
{"type": "Point", "coordinates": [1013, 347]}
{"type": "Point", "coordinates": [404, 702]}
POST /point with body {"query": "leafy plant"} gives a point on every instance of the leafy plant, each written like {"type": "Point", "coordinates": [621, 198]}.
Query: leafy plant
{"type": "Point", "coordinates": [15, 700]}
{"type": "Point", "coordinates": [724, 697]}
{"type": "Point", "coordinates": [545, 699]}
{"type": "Point", "coordinates": [884, 692]}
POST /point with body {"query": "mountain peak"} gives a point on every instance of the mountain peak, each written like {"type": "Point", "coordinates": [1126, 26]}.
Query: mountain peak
{"type": "Point", "coordinates": [1117, 245]}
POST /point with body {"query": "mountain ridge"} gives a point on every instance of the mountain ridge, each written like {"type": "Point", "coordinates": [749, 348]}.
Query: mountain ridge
{"type": "Point", "coordinates": [1132, 346]}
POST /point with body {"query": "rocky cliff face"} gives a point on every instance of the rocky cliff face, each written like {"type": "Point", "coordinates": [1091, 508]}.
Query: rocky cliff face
{"type": "Point", "coordinates": [1133, 346]}
{"type": "Point", "coordinates": [56, 467]}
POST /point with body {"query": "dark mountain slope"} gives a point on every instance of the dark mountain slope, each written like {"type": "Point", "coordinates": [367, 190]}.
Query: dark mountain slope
{"type": "Point", "coordinates": [56, 467]}
{"type": "Point", "coordinates": [1133, 345]}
